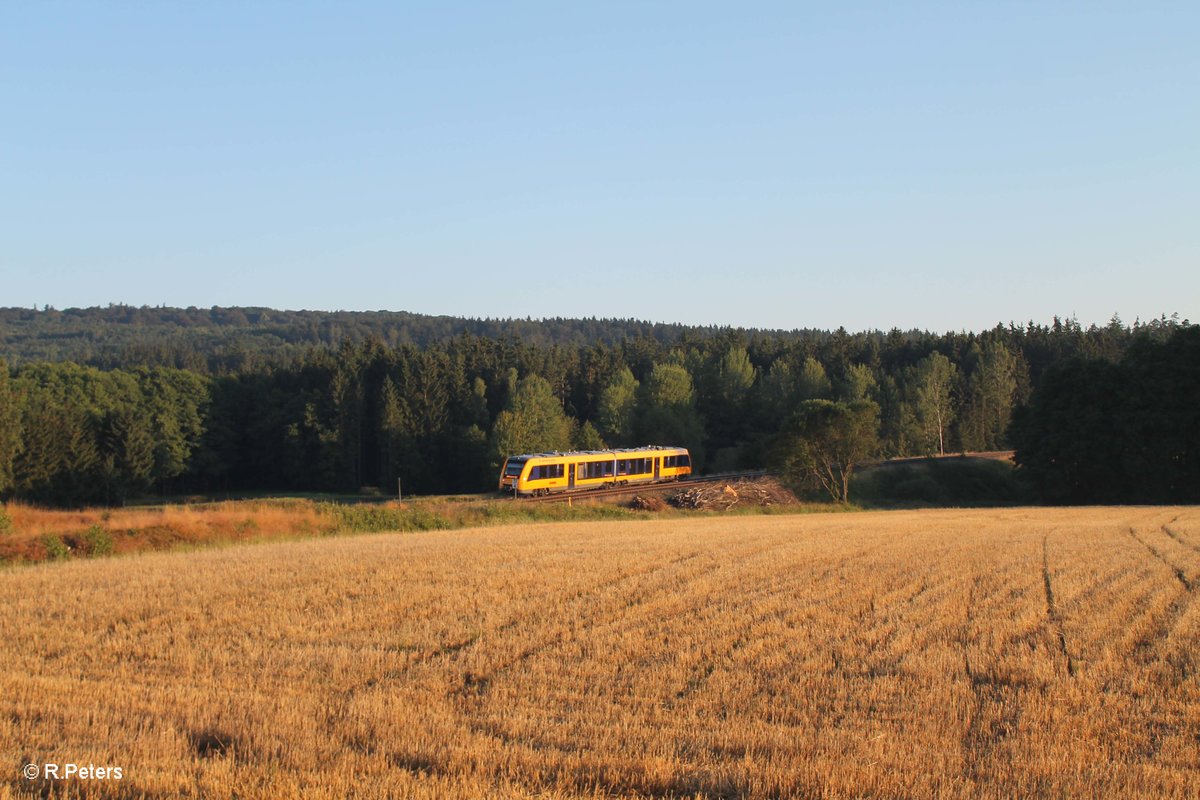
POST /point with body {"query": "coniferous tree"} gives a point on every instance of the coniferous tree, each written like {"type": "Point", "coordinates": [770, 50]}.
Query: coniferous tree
{"type": "Point", "coordinates": [857, 382]}
{"type": "Point", "coordinates": [10, 430]}
{"type": "Point", "coordinates": [1069, 441]}
{"type": "Point", "coordinates": [731, 378]}
{"type": "Point", "coordinates": [125, 453]}
{"type": "Point", "coordinates": [813, 382]}
{"type": "Point", "coordinates": [586, 437]}
{"type": "Point", "coordinates": [895, 430]}
{"type": "Point", "coordinates": [173, 402]}
{"type": "Point", "coordinates": [990, 394]}
{"type": "Point", "coordinates": [777, 395]}
{"type": "Point", "coordinates": [1095, 431]}
{"type": "Point", "coordinates": [393, 424]}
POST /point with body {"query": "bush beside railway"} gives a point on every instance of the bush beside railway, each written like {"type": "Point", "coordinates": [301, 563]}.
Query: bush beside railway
{"type": "Point", "coordinates": [960, 481]}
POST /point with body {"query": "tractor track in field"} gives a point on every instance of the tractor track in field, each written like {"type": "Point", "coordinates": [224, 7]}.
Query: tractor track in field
{"type": "Point", "coordinates": [1052, 615]}
{"type": "Point", "coordinates": [1190, 545]}
{"type": "Point", "coordinates": [639, 488]}
{"type": "Point", "coordinates": [985, 731]}
{"type": "Point", "coordinates": [1146, 646]}
{"type": "Point", "coordinates": [1180, 575]}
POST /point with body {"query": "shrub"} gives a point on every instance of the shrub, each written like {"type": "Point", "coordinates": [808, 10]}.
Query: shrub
{"type": "Point", "coordinates": [6, 524]}
{"type": "Point", "coordinates": [97, 542]}
{"type": "Point", "coordinates": [56, 548]}
{"type": "Point", "coordinates": [368, 518]}
{"type": "Point", "coordinates": [939, 482]}
{"type": "Point", "coordinates": [365, 518]}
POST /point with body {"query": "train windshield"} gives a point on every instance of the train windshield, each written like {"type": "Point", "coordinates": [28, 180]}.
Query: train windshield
{"type": "Point", "coordinates": [513, 467]}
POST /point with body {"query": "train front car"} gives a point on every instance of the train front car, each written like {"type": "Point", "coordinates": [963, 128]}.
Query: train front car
{"type": "Point", "coordinates": [674, 464]}
{"type": "Point", "coordinates": [510, 473]}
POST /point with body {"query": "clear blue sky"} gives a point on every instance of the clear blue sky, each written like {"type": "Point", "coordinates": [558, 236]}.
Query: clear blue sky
{"type": "Point", "coordinates": [939, 166]}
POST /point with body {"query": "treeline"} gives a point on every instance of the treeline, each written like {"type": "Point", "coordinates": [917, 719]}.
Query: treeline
{"type": "Point", "coordinates": [1096, 431]}
{"type": "Point", "coordinates": [441, 414]}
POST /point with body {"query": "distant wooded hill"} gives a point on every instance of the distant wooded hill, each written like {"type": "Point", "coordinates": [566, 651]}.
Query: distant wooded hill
{"type": "Point", "coordinates": [230, 339]}
{"type": "Point", "coordinates": [221, 339]}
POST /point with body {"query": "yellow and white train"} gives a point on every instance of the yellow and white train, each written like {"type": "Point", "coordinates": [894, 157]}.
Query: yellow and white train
{"type": "Point", "coordinates": [543, 473]}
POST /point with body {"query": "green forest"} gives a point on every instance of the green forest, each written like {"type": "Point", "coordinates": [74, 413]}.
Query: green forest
{"type": "Point", "coordinates": [105, 405]}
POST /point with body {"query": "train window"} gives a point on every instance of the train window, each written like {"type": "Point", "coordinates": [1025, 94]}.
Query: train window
{"type": "Point", "coordinates": [599, 469]}
{"type": "Point", "coordinates": [629, 466]}
{"type": "Point", "coordinates": [684, 460]}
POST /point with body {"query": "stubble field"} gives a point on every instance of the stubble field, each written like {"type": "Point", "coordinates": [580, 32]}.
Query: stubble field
{"type": "Point", "coordinates": [931, 654]}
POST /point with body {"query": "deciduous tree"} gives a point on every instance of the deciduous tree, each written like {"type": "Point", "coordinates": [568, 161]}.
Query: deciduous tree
{"type": "Point", "coordinates": [932, 387]}
{"type": "Point", "coordinates": [823, 442]}
{"type": "Point", "coordinates": [615, 408]}
{"type": "Point", "coordinates": [533, 422]}
{"type": "Point", "coordinates": [667, 410]}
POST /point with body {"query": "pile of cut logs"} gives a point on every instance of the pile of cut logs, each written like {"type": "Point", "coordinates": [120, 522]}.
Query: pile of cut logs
{"type": "Point", "coordinates": [722, 497]}
{"type": "Point", "coordinates": [648, 503]}
{"type": "Point", "coordinates": [715, 497]}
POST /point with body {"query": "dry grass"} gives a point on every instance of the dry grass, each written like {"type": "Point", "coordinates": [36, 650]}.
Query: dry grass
{"type": "Point", "coordinates": [931, 654]}
{"type": "Point", "coordinates": [29, 534]}
{"type": "Point", "coordinates": [138, 529]}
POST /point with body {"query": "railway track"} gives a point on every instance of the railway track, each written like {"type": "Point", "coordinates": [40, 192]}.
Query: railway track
{"type": "Point", "coordinates": [640, 488]}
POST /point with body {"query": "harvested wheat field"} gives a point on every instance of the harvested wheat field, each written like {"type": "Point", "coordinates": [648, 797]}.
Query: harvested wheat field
{"type": "Point", "coordinates": [932, 654]}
